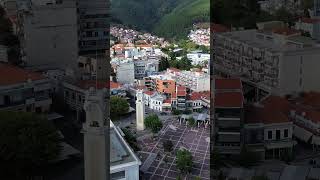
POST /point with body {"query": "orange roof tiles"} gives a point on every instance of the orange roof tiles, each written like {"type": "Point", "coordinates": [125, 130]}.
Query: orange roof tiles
{"type": "Point", "coordinates": [264, 115]}
{"type": "Point", "coordinates": [309, 20]}
{"type": "Point", "coordinates": [285, 31]}
{"type": "Point", "coordinates": [114, 85]}
{"type": "Point", "coordinates": [198, 95]}
{"type": "Point", "coordinates": [149, 92]}
{"type": "Point", "coordinates": [10, 75]}
{"type": "Point", "coordinates": [228, 99]}
{"type": "Point", "coordinates": [181, 91]}
{"type": "Point", "coordinates": [224, 83]}
{"type": "Point", "coordinates": [277, 103]}
{"type": "Point", "coordinates": [219, 28]}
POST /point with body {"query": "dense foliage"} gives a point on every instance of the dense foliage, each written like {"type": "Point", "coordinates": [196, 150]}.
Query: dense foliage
{"type": "Point", "coordinates": [167, 18]}
{"type": "Point", "coordinates": [119, 106]}
{"type": "Point", "coordinates": [131, 139]}
{"type": "Point", "coordinates": [184, 161]}
{"type": "Point", "coordinates": [28, 143]}
{"type": "Point", "coordinates": [153, 123]}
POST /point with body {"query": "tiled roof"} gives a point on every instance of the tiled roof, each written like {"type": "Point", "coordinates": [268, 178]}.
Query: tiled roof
{"type": "Point", "coordinates": [198, 95]}
{"type": "Point", "coordinates": [311, 99]}
{"type": "Point", "coordinates": [181, 91]}
{"type": "Point", "coordinates": [285, 31]}
{"type": "Point", "coordinates": [167, 101]}
{"type": "Point", "coordinates": [264, 115]}
{"type": "Point", "coordinates": [277, 103]}
{"type": "Point", "coordinates": [309, 20]}
{"type": "Point", "coordinates": [10, 75]}
{"type": "Point", "coordinates": [114, 85]}
{"type": "Point", "coordinates": [226, 83]}
{"type": "Point", "coordinates": [149, 92]}
{"type": "Point", "coordinates": [228, 99]}
{"type": "Point", "coordinates": [219, 28]}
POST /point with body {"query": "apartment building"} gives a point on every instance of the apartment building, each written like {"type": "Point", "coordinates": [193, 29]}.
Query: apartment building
{"type": "Point", "coordinates": [179, 100]}
{"type": "Point", "coordinates": [125, 71]}
{"type": "Point", "coordinates": [145, 67]}
{"type": "Point", "coordinates": [93, 18]}
{"type": "Point", "coordinates": [198, 58]}
{"type": "Point", "coordinates": [268, 132]}
{"type": "Point", "coordinates": [48, 34]}
{"type": "Point", "coordinates": [228, 117]}
{"type": "Point", "coordinates": [278, 61]}
{"type": "Point", "coordinates": [196, 81]}
{"type": "Point", "coordinates": [23, 90]}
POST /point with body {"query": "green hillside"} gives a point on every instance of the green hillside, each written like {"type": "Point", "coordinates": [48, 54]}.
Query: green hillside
{"type": "Point", "coordinates": [168, 18]}
{"type": "Point", "coordinates": [178, 23]}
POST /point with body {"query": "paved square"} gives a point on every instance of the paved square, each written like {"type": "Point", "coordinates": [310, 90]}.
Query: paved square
{"type": "Point", "coordinates": [195, 139]}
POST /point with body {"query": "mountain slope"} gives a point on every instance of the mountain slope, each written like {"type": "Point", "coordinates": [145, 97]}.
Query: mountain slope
{"type": "Point", "coordinates": [178, 23]}
{"type": "Point", "coordinates": [168, 18]}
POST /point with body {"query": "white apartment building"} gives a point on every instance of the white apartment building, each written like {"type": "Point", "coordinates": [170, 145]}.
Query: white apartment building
{"type": "Point", "coordinates": [196, 81]}
{"type": "Point", "coordinates": [48, 34]}
{"type": "Point", "coordinates": [125, 71]}
{"type": "Point", "coordinates": [279, 61]}
{"type": "Point", "coordinates": [145, 67]}
{"type": "Point", "coordinates": [198, 58]}
{"type": "Point", "coordinates": [23, 90]}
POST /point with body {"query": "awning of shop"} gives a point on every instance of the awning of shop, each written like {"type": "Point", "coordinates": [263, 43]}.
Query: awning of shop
{"type": "Point", "coordinates": [301, 133]}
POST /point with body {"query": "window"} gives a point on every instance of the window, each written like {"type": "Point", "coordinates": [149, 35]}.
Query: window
{"type": "Point", "coordinates": [269, 134]}
{"type": "Point", "coordinates": [286, 133]}
{"type": "Point", "coordinates": [277, 134]}
{"type": "Point", "coordinates": [96, 34]}
{"type": "Point", "coordinates": [67, 93]}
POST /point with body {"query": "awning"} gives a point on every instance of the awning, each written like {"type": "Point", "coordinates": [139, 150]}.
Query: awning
{"type": "Point", "coordinates": [301, 133]}
{"type": "Point", "coordinates": [315, 140]}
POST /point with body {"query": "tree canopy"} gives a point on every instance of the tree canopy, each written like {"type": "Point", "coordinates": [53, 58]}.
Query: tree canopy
{"type": "Point", "coordinates": [28, 143]}
{"type": "Point", "coordinates": [153, 123]}
{"type": "Point", "coordinates": [184, 161]}
{"type": "Point", "coordinates": [119, 106]}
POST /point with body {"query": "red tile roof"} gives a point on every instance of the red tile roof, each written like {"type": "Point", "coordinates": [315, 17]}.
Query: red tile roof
{"type": "Point", "coordinates": [219, 28]}
{"type": "Point", "coordinates": [149, 92]}
{"type": "Point", "coordinates": [114, 85]}
{"type": "Point", "coordinates": [167, 101]}
{"type": "Point", "coordinates": [198, 95]}
{"type": "Point", "coordinates": [224, 83]}
{"type": "Point", "coordinates": [228, 99]}
{"type": "Point", "coordinates": [181, 91]}
{"type": "Point", "coordinates": [285, 31]}
{"type": "Point", "coordinates": [277, 103]}
{"type": "Point", "coordinates": [264, 115]}
{"type": "Point", "coordinates": [309, 20]}
{"type": "Point", "coordinates": [311, 99]}
{"type": "Point", "coordinates": [10, 75]}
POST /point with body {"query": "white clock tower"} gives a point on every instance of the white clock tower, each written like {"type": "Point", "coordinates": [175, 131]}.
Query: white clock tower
{"type": "Point", "coordinates": [140, 110]}
{"type": "Point", "coordinates": [96, 134]}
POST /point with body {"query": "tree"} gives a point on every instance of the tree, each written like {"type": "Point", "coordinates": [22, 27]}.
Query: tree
{"type": "Point", "coordinates": [119, 106]}
{"type": "Point", "coordinates": [176, 112]}
{"type": "Point", "coordinates": [28, 143]}
{"type": "Point", "coordinates": [191, 121]}
{"type": "Point", "coordinates": [167, 145]}
{"type": "Point", "coordinates": [184, 63]}
{"type": "Point", "coordinates": [184, 161]}
{"type": "Point", "coordinates": [153, 122]}
{"type": "Point", "coordinates": [131, 139]}
{"type": "Point", "coordinates": [163, 64]}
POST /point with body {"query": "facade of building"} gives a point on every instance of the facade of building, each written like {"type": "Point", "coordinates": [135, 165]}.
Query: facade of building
{"type": "Point", "coordinates": [198, 58]}
{"type": "Point", "coordinates": [93, 24]}
{"type": "Point", "coordinates": [48, 34]}
{"type": "Point", "coordinates": [125, 72]}
{"type": "Point", "coordinates": [268, 133]}
{"type": "Point", "coordinates": [196, 81]}
{"type": "Point", "coordinates": [228, 118]}
{"type": "Point", "coordinates": [22, 90]}
{"type": "Point", "coordinates": [280, 61]}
